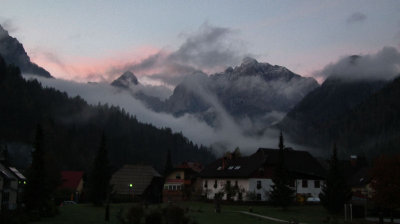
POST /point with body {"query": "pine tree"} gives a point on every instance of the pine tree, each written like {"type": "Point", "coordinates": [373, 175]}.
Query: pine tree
{"type": "Point", "coordinates": [168, 164]}
{"type": "Point", "coordinates": [335, 192]}
{"type": "Point", "coordinates": [99, 178]}
{"type": "Point", "coordinates": [37, 191]}
{"type": "Point", "coordinates": [281, 194]}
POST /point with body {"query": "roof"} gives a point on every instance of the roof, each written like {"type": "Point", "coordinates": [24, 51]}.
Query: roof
{"type": "Point", "coordinates": [17, 173]}
{"type": "Point", "coordinates": [140, 176]}
{"type": "Point", "coordinates": [71, 179]}
{"type": "Point", "coordinates": [196, 167]}
{"type": "Point", "coordinates": [239, 167]}
{"type": "Point", "coordinates": [297, 162]}
{"type": "Point", "coordinates": [300, 162]}
{"type": "Point", "coordinates": [7, 173]}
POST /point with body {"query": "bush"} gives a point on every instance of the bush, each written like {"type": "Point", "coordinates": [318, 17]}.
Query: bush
{"type": "Point", "coordinates": [154, 217]}
{"type": "Point", "coordinates": [135, 214]}
{"type": "Point", "coordinates": [175, 215]}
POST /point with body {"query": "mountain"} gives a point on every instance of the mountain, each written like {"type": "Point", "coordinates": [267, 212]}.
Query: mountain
{"type": "Point", "coordinates": [373, 127]}
{"type": "Point", "coordinates": [253, 91]}
{"type": "Point", "coordinates": [73, 128]}
{"type": "Point", "coordinates": [14, 53]}
{"type": "Point", "coordinates": [125, 80]}
{"type": "Point", "coordinates": [314, 119]}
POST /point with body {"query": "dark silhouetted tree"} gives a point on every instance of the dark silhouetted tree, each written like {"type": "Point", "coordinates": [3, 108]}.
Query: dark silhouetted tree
{"type": "Point", "coordinates": [99, 178]}
{"type": "Point", "coordinates": [42, 178]}
{"type": "Point", "coordinates": [281, 194]}
{"type": "Point", "coordinates": [335, 192]}
{"type": "Point", "coordinates": [168, 164]}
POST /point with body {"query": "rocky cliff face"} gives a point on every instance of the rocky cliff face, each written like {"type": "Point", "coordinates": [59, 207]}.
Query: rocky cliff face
{"type": "Point", "coordinates": [13, 52]}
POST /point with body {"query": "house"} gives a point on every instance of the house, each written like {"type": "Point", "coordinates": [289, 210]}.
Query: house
{"type": "Point", "coordinates": [11, 187]}
{"type": "Point", "coordinates": [137, 183]}
{"type": "Point", "coordinates": [72, 185]}
{"type": "Point", "coordinates": [182, 182]}
{"type": "Point", "coordinates": [252, 175]}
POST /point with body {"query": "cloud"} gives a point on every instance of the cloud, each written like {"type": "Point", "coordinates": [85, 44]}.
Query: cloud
{"type": "Point", "coordinates": [9, 25]}
{"type": "Point", "coordinates": [356, 17]}
{"type": "Point", "coordinates": [210, 49]}
{"type": "Point", "coordinates": [228, 136]}
{"type": "Point", "coordinates": [384, 65]}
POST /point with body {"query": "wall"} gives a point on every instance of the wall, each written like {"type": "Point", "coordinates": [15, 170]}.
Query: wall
{"type": "Point", "coordinates": [311, 189]}
{"type": "Point", "coordinates": [265, 187]}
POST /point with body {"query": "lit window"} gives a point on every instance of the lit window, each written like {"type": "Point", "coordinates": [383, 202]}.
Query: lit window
{"type": "Point", "coordinates": [237, 167]}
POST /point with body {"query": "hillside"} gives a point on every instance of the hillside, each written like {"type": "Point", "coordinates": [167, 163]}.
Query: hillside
{"type": "Point", "coordinates": [73, 128]}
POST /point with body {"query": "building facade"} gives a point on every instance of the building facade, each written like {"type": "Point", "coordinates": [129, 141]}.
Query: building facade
{"type": "Point", "coordinates": [249, 178]}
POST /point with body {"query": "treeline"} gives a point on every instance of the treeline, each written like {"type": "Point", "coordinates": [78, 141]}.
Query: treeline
{"type": "Point", "coordinates": [73, 129]}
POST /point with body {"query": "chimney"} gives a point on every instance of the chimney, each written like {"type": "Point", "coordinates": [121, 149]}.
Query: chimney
{"type": "Point", "coordinates": [353, 160]}
{"type": "Point", "coordinates": [223, 163]}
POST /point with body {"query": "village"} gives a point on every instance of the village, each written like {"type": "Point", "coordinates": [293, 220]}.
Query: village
{"type": "Point", "coordinates": [232, 180]}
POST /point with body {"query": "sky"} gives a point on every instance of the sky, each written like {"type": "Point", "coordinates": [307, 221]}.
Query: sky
{"type": "Point", "coordinates": [96, 40]}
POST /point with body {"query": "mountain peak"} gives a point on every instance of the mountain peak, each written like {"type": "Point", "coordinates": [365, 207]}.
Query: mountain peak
{"type": "Point", "coordinates": [13, 52]}
{"type": "Point", "coordinates": [249, 61]}
{"type": "Point", "coordinates": [126, 80]}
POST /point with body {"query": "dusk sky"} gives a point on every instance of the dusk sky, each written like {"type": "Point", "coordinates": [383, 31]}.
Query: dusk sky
{"type": "Point", "coordinates": [96, 40]}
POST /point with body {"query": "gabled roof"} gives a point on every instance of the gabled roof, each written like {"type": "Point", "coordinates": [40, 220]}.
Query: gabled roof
{"type": "Point", "coordinates": [6, 173]}
{"type": "Point", "coordinates": [240, 167]}
{"type": "Point", "coordinates": [300, 162]}
{"type": "Point", "coordinates": [71, 179]}
{"type": "Point", "coordinates": [140, 176]}
{"type": "Point", "coordinates": [297, 162]}
{"type": "Point", "coordinates": [17, 173]}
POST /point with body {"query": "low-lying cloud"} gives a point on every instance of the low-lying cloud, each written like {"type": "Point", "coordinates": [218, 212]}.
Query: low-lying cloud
{"type": "Point", "coordinates": [384, 65]}
{"type": "Point", "coordinates": [226, 137]}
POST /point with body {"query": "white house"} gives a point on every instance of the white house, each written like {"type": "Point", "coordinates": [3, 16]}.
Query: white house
{"type": "Point", "coordinates": [251, 176]}
{"type": "Point", "coordinates": [11, 181]}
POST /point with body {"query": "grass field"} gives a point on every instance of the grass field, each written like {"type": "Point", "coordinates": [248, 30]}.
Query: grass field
{"type": "Point", "coordinates": [201, 212]}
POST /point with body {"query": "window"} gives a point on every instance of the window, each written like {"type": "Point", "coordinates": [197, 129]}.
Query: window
{"type": "Point", "coordinates": [170, 187]}
{"type": "Point", "coordinates": [237, 167]}
{"type": "Point", "coordinates": [236, 183]}
{"type": "Point", "coordinates": [205, 184]}
{"type": "Point", "coordinates": [228, 183]}
{"type": "Point", "coordinates": [215, 184]}
{"type": "Point", "coordinates": [165, 187]}
{"type": "Point", "coordinates": [230, 167]}
{"type": "Point", "coordinates": [317, 184]}
{"type": "Point", "coordinates": [174, 187]}
{"type": "Point", "coordinates": [258, 197]}
{"type": "Point", "coordinates": [258, 184]}
{"type": "Point", "coordinates": [304, 183]}
{"type": "Point", "coordinates": [178, 176]}
{"type": "Point", "coordinates": [219, 168]}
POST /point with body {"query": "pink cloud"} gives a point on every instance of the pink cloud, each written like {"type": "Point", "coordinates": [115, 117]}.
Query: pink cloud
{"type": "Point", "coordinates": [86, 69]}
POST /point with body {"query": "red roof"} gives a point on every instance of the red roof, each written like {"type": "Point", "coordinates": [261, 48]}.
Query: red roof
{"type": "Point", "coordinates": [71, 179]}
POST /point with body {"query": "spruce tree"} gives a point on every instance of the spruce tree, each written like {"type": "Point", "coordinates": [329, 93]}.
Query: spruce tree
{"type": "Point", "coordinates": [168, 164]}
{"type": "Point", "coordinates": [281, 194]}
{"type": "Point", "coordinates": [99, 178]}
{"type": "Point", "coordinates": [335, 192]}
{"type": "Point", "coordinates": [37, 191]}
